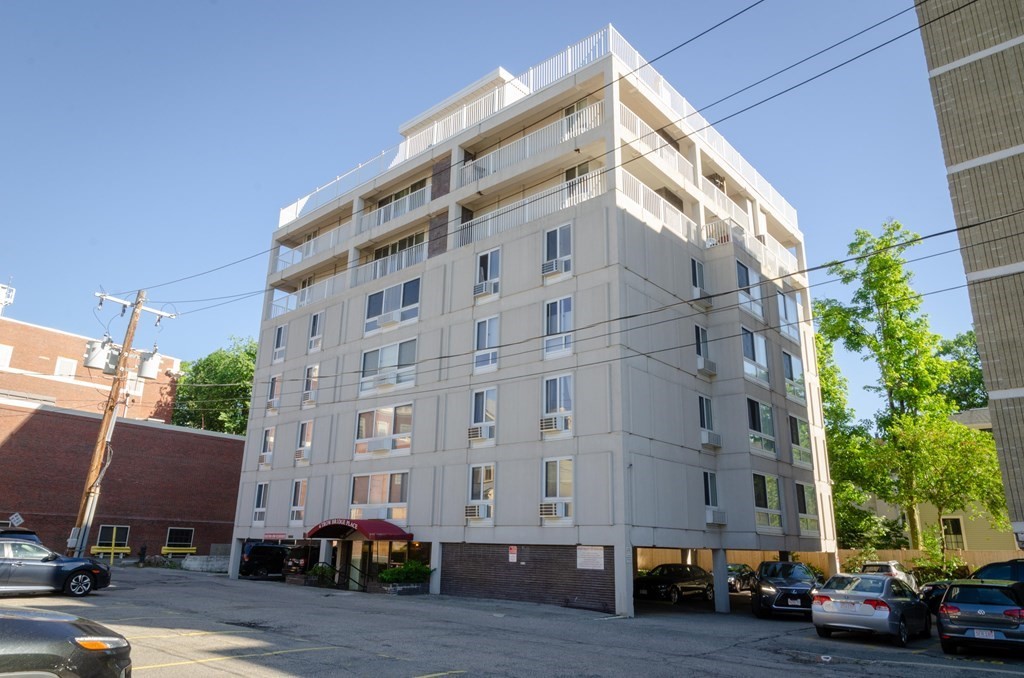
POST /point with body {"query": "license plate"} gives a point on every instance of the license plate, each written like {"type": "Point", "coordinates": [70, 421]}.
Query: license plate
{"type": "Point", "coordinates": [984, 635]}
{"type": "Point", "coordinates": [845, 606]}
{"type": "Point", "coordinates": [643, 592]}
{"type": "Point", "coordinates": [794, 602]}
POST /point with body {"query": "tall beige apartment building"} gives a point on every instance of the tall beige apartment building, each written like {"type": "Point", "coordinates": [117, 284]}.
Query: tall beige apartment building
{"type": "Point", "coordinates": [561, 321]}
{"type": "Point", "coordinates": [975, 59]}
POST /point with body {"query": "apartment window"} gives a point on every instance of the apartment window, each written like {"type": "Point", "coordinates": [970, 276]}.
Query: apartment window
{"type": "Point", "coordinates": [274, 392]}
{"type": "Point", "coordinates": [384, 430]}
{"type": "Point", "coordinates": [316, 332]}
{"type": "Point", "coordinates": [807, 508]}
{"type": "Point", "coordinates": [488, 273]}
{"type": "Point", "coordinates": [953, 533]}
{"type": "Point", "coordinates": [704, 407]}
{"type": "Point", "coordinates": [298, 510]}
{"type": "Point", "coordinates": [267, 448]}
{"type": "Point", "coordinates": [755, 355]}
{"type": "Point", "coordinates": [710, 489]}
{"type": "Point", "coordinates": [576, 180]}
{"type": "Point", "coordinates": [484, 414]}
{"type": "Point", "coordinates": [391, 365]}
{"type": "Point", "coordinates": [280, 342]}
{"type": "Point", "coordinates": [557, 250]}
{"type": "Point", "coordinates": [762, 427]}
{"type": "Point", "coordinates": [393, 305]}
{"type": "Point", "coordinates": [398, 195]}
{"type": "Point", "coordinates": [749, 283]}
{"type": "Point", "coordinates": [800, 437]}
{"type": "Point", "coordinates": [380, 495]}
{"type": "Point", "coordinates": [793, 370]}
{"type": "Point", "coordinates": [558, 327]}
{"type": "Point", "coordinates": [767, 503]}
{"type": "Point", "coordinates": [65, 367]}
{"type": "Point", "coordinates": [304, 442]}
{"type": "Point", "coordinates": [259, 505]}
{"type": "Point", "coordinates": [697, 274]}
{"type": "Point", "coordinates": [399, 245]}
{"type": "Point", "coordinates": [481, 491]}
{"type": "Point", "coordinates": [557, 405]}
{"type": "Point", "coordinates": [5, 355]}
{"type": "Point", "coordinates": [700, 341]}
{"type": "Point", "coordinates": [485, 345]}
{"type": "Point", "coordinates": [558, 484]}
{"type": "Point", "coordinates": [180, 537]}
{"type": "Point", "coordinates": [789, 316]}
{"type": "Point", "coordinates": [572, 120]}
{"type": "Point", "coordinates": [113, 535]}
{"type": "Point", "coordinates": [310, 381]}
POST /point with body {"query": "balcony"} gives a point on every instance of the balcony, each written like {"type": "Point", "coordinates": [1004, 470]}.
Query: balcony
{"type": "Point", "coordinates": [539, 205]}
{"type": "Point", "coordinates": [289, 257]}
{"type": "Point", "coordinates": [776, 261]}
{"type": "Point", "coordinates": [532, 144]}
{"type": "Point", "coordinates": [724, 205]}
{"type": "Point", "coordinates": [308, 295]}
{"type": "Point", "coordinates": [651, 144]}
{"type": "Point", "coordinates": [394, 209]}
{"type": "Point", "coordinates": [390, 264]}
{"type": "Point", "coordinates": [657, 207]}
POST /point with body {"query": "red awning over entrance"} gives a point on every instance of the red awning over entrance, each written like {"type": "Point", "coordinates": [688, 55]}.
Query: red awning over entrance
{"type": "Point", "coordinates": [371, 528]}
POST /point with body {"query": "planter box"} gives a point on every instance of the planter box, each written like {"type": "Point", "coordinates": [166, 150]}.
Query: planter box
{"type": "Point", "coordinates": [406, 589]}
{"type": "Point", "coordinates": [297, 579]}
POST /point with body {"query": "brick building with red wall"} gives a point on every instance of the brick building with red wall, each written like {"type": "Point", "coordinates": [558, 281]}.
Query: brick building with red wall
{"type": "Point", "coordinates": [166, 485]}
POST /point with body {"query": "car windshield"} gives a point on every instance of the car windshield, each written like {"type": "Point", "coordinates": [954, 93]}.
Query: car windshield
{"type": "Point", "coordinates": [787, 571]}
{"type": "Point", "coordinates": [860, 584]}
{"type": "Point", "coordinates": [874, 568]}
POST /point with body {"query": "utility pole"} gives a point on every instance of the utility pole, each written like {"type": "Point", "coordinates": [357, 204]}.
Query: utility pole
{"type": "Point", "coordinates": [100, 459]}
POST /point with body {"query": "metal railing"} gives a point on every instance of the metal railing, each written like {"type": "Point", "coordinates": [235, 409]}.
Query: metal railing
{"type": "Point", "coordinates": [315, 292]}
{"type": "Point", "coordinates": [775, 259]}
{"type": "Point", "coordinates": [659, 208]}
{"type": "Point", "coordinates": [323, 242]}
{"type": "Point", "coordinates": [539, 205]}
{"type": "Point", "coordinates": [649, 142]}
{"type": "Point", "coordinates": [390, 264]}
{"type": "Point", "coordinates": [394, 209]}
{"type": "Point", "coordinates": [536, 142]}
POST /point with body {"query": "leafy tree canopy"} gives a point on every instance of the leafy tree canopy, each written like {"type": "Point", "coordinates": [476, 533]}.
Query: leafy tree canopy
{"type": "Point", "coordinates": [214, 391]}
{"type": "Point", "coordinates": [965, 387]}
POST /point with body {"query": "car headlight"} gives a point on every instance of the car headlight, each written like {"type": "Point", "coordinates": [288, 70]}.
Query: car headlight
{"type": "Point", "coordinates": [101, 642]}
{"type": "Point", "coordinates": [732, 580]}
{"type": "Point", "coordinates": [768, 588]}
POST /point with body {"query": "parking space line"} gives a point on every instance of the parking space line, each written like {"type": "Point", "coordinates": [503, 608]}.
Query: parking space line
{"type": "Point", "coordinates": [191, 634]}
{"type": "Point", "coordinates": [437, 675]}
{"type": "Point", "coordinates": [237, 656]}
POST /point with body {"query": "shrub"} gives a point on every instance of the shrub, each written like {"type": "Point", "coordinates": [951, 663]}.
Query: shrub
{"type": "Point", "coordinates": [854, 562]}
{"type": "Point", "coordinates": [323, 573]}
{"type": "Point", "coordinates": [935, 563]}
{"type": "Point", "coordinates": [410, 572]}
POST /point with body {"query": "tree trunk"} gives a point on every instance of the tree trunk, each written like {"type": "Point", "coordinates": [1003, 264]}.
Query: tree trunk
{"type": "Point", "coordinates": [914, 525]}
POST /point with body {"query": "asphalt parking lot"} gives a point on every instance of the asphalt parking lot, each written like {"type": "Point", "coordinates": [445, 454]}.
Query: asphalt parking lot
{"type": "Point", "coordinates": [194, 624]}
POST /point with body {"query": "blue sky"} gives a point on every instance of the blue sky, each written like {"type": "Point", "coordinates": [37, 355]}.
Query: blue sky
{"type": "Point", "coordinates": [144, 142]}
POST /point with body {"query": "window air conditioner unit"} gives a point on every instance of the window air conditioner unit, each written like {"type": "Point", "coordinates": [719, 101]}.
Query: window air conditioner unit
{"type": "Point", "coordinates": [702, 299]}
{"type": "Point", "coordinates": [558, 422]}
{"type": "Point", "coordinates": [478, 511]}
{"type": "Point", "coordinates": [308, 397]}
{"type": "Point", "coordinates": [300, 455]}
{"type": "Point", "coordinates": [481, 432]}
{"type": "Point", "coordinates": [273, 403]}
{"type": "Point", "coordinates": [706, 367]}
{"type": "Point", "coordinates": [485, 288]}
{"type": "Point", "coordinates": [379, 446]}
{"type": "Point", "coordinates": [553, 267]}
{"type": "Point", "coordinates": [278, 354]}
{"type": "Point", "coordinates": [385, 379]}
{"type": "Point", "coordinates": [552, 509]}
{"type": "Point", "coordinates": [389, 318]}
{"type": "Point", "coordinates": [714, 516]}
{"type": "Point", "coordinates": [264, 461]}
{"type": "Point", "coordinates": [710, 439]}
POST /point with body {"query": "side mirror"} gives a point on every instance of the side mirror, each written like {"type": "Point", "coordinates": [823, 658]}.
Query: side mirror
{"type": "Point", "coordinates": [51, 557]}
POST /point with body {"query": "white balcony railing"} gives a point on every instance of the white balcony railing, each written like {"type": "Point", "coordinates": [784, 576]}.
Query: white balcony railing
{"type": "Point", "coordinates": [647, 141]}
{"type": "Point", "coordinates": [394, 209]}
{"type": "Point", "coordinates": [656, 206]}
{"type": "Point", "coordinates": [775, 260]}
{"type": "Point", "coordinates": [723, 204]}
{"type": "Point", "coordinates": [532, 144]}
{"type": "Point", "coordinates": [533, 207]}
{"type": "Point", "coordinates": [308, 295]}
{"type": "Point", "coordinates": [323, 242]}
{"type": "Point", "coordinates": [391, 264]}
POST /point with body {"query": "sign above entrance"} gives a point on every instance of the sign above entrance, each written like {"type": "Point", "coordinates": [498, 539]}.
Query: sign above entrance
{"type": "Point", "coordinates": [372, 529]}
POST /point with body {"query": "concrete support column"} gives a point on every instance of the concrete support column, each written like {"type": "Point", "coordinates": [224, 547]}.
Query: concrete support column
{"type": "Point", "coordinates": [624, 572]}
{"type": "Point", "coordinates": [435, 565]}
{"type": "Point", "coordinates": [720, 570]}
{"type": "Point", "coordinates": [235, 558]}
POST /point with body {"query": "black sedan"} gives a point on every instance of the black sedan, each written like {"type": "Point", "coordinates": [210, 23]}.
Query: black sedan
{"type": "Point", "coordinates": [782, 586]}
{"type": "Point", "coordinates": [37, 642]}
{"type": "Point", "coordinates": [1009, 570]}
{"type": "Point", "coordinates": [27, 567]}
{"type": "Point", "coordinates": [673, 582]}
{"type": "Point", "coordinates": [741, 577]}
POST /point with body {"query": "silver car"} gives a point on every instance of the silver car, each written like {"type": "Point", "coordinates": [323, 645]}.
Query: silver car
{"type": "Point", "coordinates": [893, 568]}
{"type": "Point", "coordinates": [874, 603]}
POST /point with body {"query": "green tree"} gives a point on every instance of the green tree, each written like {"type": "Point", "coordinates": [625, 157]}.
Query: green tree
{"type": "Point", "coordinates": [883, 323]}
{"type": "Point", "coordinates": [214, 391]}
{"type": "Point", "coordinates": [965, 387]}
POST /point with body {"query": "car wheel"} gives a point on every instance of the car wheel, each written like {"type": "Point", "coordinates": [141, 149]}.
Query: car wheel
{"type": "Point", "coordinates": [709, 593]}
{"type": "Point", "coordinates": [673, 595]}
{"type": "Point", "coordinates": [260, 572]}
{"type": "Point", "coordinates": [756, 606]}
{"type": "Point", "coordinates": [948, 648]}
{"type": "Point", "coordinates": [78, 584]}
{"type": "Point", "coordinates": [902, 634]}
{"type": "Point", "coordinates": [823, 632]}
{"type": "Point", "coordinates": [927, 631]}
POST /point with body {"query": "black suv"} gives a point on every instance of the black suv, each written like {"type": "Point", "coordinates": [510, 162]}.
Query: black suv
{"type": "Point", "coordinates": [20, 533]}
{"type": "Point", "coordinates": [260, 559]}
{"type": "Point", "coordinates": [1007, 570]}
{"type": "Point", "coordinates": [782, 586]}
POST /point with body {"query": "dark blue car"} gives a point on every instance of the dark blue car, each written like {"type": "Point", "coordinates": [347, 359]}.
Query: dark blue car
{"type": "Point", "coordinates": [27, 567]}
